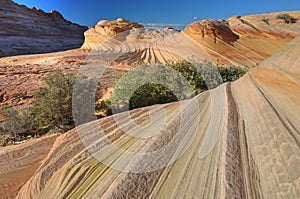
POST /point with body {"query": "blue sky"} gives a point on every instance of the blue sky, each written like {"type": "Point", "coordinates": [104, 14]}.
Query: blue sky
{"type": "Point", "coordinates": [89, 12]}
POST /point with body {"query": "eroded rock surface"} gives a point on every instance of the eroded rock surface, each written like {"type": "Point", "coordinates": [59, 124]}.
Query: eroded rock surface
{"type": "Point", "coordinates": [245, 145]}
{"type": "Point", "coordinates": [239, 41]}
{"type": "Point", "coordinates": [29, 31]}
{"type": "Point", "coordinates": [106, 29]}
{"type": "Point", "coordinates": [244, 40]}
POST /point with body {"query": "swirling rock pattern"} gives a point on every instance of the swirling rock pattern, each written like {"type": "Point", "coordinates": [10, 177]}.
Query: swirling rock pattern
{"type": "Point", "coordinates": [244, 40]}
{"type": "Point", "coordinates": [240, 41]}
{"type": "Point", "coordinates": [244, 140]}
{"type": "Point", "coordinates": [256, 154]}
{"type": "Point", "coordinates": [105, 29]}
{"type": "Point", "coordinates": [18, 163]}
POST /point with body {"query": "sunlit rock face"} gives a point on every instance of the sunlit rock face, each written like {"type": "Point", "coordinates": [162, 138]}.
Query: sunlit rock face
{"type": "Point", "coordinates": [244, 40]}
{"type": "Point", "coordinates": [244, 143]}
{"type": "Point", "coordinates": [239, 140]}
{"type": "Point", "coordinates": [29, 31]}
{"type": "Point", "coordinates": [105, 29]}
{"type": "Point", "coordinates": [239, 41]}
{"type": "Point", "coordinates": [214, 29]}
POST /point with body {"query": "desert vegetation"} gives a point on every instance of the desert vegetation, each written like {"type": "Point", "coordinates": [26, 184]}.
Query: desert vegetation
{"type": "Point", "coordinates": [287, 18]}
{"type": "Point", "coordinates": [51, 109]}
{"type": "Point", "coordinates": [200, 77]}
{"type": "Point", "coordinates": [266, 21]}
{"type": "Point", "coordinates": [247, 23]}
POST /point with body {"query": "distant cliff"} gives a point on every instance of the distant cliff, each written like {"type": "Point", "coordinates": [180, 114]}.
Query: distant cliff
{"type": "Point", "coordinates": [29, 31]}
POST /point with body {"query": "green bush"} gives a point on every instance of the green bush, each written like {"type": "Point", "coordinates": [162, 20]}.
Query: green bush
{"type": "Point", "coordinates": [104, 108]}
{"type": "Point", "coordinates": [51, 109]}
{"type": "Point", "coordinates": [19, 122]}
{"type": "Point", "coordinates": [200, 77]}
{"type": "Point", "coordinates": [150, 94]}
{"type": "Point", "coordinates": [231, 74]}
{"type": "Point", "coordinates": [286, 17]}
{"type": "Point", "coordinates": [52, 106]}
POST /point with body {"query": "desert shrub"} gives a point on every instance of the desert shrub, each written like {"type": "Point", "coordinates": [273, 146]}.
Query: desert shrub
{"type": "Point", "coordinates": [52, 106]}
{"type": "Point", "coordinates": [230, 74]}
{"type": "Point", "coordinates": [208, 75]}
{"type": "Point", "coordinates": [51, 109]}
{"type": "Point", "coordinates": [150, 94]}
{"type": "Point", "coordinates": [104, 108]}
{"type": "Point", "coordinates": [191, 74]}
{"type": "Point", "coordinates": [200, 77]}
{"type": "Point", "coordinates": [286, 17]}
{"type": "Point", "coordinates": [266, 21]}
{"type": "Point", "coordinates": [19, 122]}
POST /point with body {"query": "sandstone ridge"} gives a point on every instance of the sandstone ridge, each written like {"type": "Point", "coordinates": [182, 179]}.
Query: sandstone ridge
{"type": "Point", "coordinates": [245, 145]}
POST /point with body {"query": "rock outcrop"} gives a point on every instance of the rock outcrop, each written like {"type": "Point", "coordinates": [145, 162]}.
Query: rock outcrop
{"type": "Point", "coordinates": [106, 29]}
{"type": "Point", "coordinates": [240, 41]}
{"type": "Point", "coordinates": [213, 29]}
{"type": "Point", "coordinates": [243, 142]}
{"type": "Point", "coordinates": [18, 163]}
{"type": "Point", "coordinates": [29, 31]}
{"type": "Point", "coordinates": [240, 140]}
{"type": "Point", "coordinates": [244, 40]}
{"type": "Point", "coordinates": [252, 122]}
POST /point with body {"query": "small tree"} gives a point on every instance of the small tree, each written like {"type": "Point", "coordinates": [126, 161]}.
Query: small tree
{"type": "Point", "coordinates": [52, 106]}
{"type": "Point", "coordinates": [19, 122]}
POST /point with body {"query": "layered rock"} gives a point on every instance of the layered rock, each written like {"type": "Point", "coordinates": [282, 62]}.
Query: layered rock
{"type": "Point", "coordinates": [106, 29]}
{"type": "Point", "coordinates": [29, 31]}
{"type": "Point", "coordinates": [240, 41]}
{"type": "Point", "coordinates": [245, 40]}
{"type": "Point", "coordinates": [244, 143]}
{"type": "Point", "coordinates": [18, 163]}
{"type": "Point", "coordinates": [212, 29]}
{"type": "Point", "coordinates": [244, 137]}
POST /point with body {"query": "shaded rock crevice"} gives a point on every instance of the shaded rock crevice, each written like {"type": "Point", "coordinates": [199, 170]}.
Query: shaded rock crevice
{"type": "Point", "coordinates": [233, 164]}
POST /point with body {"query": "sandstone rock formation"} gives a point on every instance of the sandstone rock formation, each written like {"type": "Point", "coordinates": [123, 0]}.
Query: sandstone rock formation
{"type": "Point", "coordinates": [245, 40]}
{"type": "Point", "coordinates": [243, 143]}
{"type": "Point", "coordinates": [240, 41]}
{"type": "Point", "coordinates": [214, 29]}
{"type": "Point", "coordinates": [106, 29]}
{"type": "Point", "coordinates": [18, 164]}
{"type": "Point", "coordinates": [240, 140]}
{"type": "Point", "coordinates": [29, 31]}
